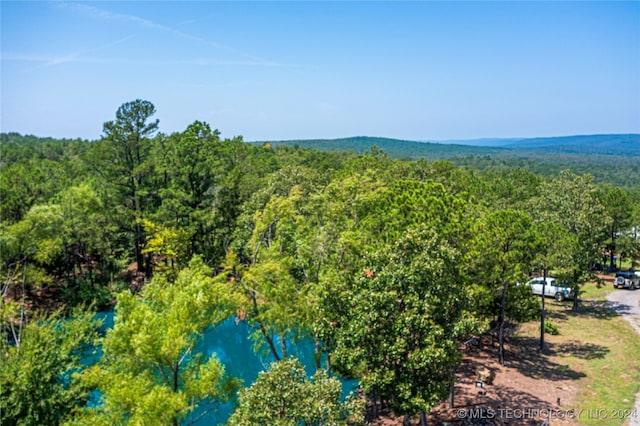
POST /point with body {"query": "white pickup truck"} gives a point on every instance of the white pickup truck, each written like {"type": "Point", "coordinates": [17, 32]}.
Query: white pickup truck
{"type": "Point", "coordinates": [551, 288]}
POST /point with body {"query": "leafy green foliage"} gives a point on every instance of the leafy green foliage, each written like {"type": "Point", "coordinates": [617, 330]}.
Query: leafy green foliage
{"type": "Point", "coordinates": [572, 203]}
{"type": "Point", "coordinates": [275, 301]}
{"type": "Point", "coordinates": [148, 371]}
{"type": "Point", "coordinates": [62, 238]}
{"type": "Point", "coordinates": [284, 395]}
{"type": "Point", "coordinates": [122, 160]}
{"type": "Point", "coordinates": [37, 383]}
{"type": "Point", "coordinates": [395, 147]}
{"type": "Point", "coordinates": [618, 208]}
{"type": "Point", "coordinates": [551, 328]}
{"type": "Point", "coordinates": [190, 163]}
{"type": "Point", "coordinates": [407, 315]}
{"type": "Point", "coordinates": [609, 158]}
{"type": "Point", "coordinates": [499, 256]}
{"type": "Point", "coordinates": [382, 262]}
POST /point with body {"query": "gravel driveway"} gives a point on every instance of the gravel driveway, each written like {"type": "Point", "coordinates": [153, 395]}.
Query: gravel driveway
{"type": "Point", "coordinates": [627, 304]}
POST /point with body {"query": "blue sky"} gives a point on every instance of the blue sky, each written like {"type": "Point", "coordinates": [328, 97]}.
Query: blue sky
{"type": "Point", "coordinates": [294, 70]}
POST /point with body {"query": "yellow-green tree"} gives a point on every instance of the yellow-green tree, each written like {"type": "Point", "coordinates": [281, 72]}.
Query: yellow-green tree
{"type": "Point", "coordinates": [36, 383]}
{"type": "Point", "coordinates": [148, 373]}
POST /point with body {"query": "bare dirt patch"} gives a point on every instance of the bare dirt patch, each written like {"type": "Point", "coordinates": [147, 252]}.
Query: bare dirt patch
{"type": "Point", "coordinates": [524, 391]}
{"type": "Point", "coordinates": [531, 383]}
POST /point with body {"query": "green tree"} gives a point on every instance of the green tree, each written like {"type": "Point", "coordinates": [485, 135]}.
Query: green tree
{"type": "Point", "coordinates": [407, 203]}
{"type": "Point", "coordinates": [148, 373]}
{"type": "Point", "coordinates": [27, 183]}
{"type": "Point", "coordinates": [64, 237]}
{"type": "Point", "coordinates": [499, 256]}
{"type": "Point", "coordinates": [332, 238]}
{"type": "Point", "coordinates": [170, 243]}
{"type": "Point", "coordinates": [190, 164]}
{"type": "Point", "coordinates": [618, 208]}
{"type": "Point", "coordinates": [510, 188]}
{"type": "Point", "coordinates": [276, 184]}
{"type": "Point", "coordinates": [84, 232]}
{"type": "Point", "coordinates": [37, 386]}
{"type": "Point", "coordinates": [407, 316]}
{"type": "Point", "coordinates": [572, 202]}
{"type": "Point", "coordinates": [122, 159]}
{"type": "Point", "coordinates": [284, 396]}
{"type": "Point", "coordinates": [552, 247]}
{"type": "Point", "coordinates": [276, 302]}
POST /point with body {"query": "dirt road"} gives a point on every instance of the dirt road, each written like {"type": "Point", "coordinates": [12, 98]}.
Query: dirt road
{"type": "Point", "coordinates": [627, 304]}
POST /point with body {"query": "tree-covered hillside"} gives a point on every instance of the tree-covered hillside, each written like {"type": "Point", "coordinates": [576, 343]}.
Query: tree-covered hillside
{"type": "Point", "coordinates": [386, 265]}
{"type": "Point", "coordinates": [609, 158]}
{"type": "Point", "coordinates": [396, 148]}
{"type": "Point", "coordinates": [617, 144]}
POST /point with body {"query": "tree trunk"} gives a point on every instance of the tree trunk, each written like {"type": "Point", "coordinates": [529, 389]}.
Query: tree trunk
{"type": "Point", "coordinates": [269, 340]}
{"type": "Point", "coordinates": [576, 289]}
{"type": "Point", "coordinates": [283, 345]}
{"type": "Point", "coordinates": [453, 388]}
{"type": "Point", "coordinates": [138, 243]}
{"type": "Point", "coordinates": [175, 387]}
{"type": "Point", "coordinates": [87, 258]}
{"type": "Point", "coordinates": [544, 286]}
{"type": "Point", "coordinates": [503, 301]}
{"type": "Point", "coordinates": [67, 263]}
{"type": "Point", "coordinates": [612, 264]}
{"type": "Point", "coordinates": [423, 418]}
{"type": "Point", "coordinates": [318, 355]}
{"type": "Point", "coordinates": [263, 330]}
{"type": "Point", "coordinates": [406, 421]}
{"type": "Point", "coordinates": [374, 400]}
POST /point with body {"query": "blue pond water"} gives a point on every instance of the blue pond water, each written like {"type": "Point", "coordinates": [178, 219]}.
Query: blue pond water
{"type": "Point", "coordinates": [233, 346]}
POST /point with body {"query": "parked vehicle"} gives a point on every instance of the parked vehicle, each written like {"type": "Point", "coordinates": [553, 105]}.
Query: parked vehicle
{"type": "Point", "coordinates": [552, 288]}
{"type": "Point", "coordinates": [627, 279]}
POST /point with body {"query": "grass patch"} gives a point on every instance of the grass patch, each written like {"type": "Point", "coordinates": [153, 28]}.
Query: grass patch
{"type": "Point", "coordinates": [598, 349]}
{"type": "Point", "coordinates": [596, 290]}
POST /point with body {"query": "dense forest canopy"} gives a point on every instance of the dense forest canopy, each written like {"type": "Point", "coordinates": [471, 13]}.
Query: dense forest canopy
{"type": "Point", "coordinates": [386, 262]}
{"type": "Point", "coordinates": [609, 158]}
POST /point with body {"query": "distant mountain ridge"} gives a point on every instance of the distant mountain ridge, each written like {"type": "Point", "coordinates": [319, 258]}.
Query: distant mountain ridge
{"type": "Point", "coordinates": [626, 145]}
{"type": "Point", "coordinates": [630, 140]}
{"type": "Point", "coordinates": [620, 144]}
{"type": "Point", "coordinates": [396, 148]}
{"type": "Point", "coordinates": [493, 142]}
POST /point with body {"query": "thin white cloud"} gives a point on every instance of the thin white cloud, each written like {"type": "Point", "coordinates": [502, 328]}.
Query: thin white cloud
{"type": "Point", "coordinates": [105, 15]}
{"type": "Point", "coordinates": [327, 107]}
{"type": "Point", "coordinates": [208, 61]}
{"type": "Point", "coordinates": [187, 22]}
{"type": "Point", "coordinates": [75, 56]}
{"type": "Point", "coordinates": [194, 20]}
{"type": "Point", "coordinates": [50, 60]}
{"type": "Point", "coordinates": [44, 60]}
{"type": "Point", "coordinates": [209, 86]}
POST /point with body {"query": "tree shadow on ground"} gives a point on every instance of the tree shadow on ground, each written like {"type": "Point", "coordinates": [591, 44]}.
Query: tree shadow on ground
{"type": "Point", "coordinates": [524, 356]}
{"type": "Point", "coordinates": [556, 315]}
{"type": "Point", "coordinates": [493, 403]}
{"type": "Point", "coordinates": [601, 309]}
{"type": "Point", "coordinates": [578, 349]}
